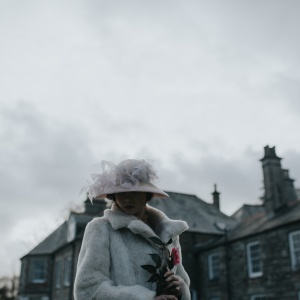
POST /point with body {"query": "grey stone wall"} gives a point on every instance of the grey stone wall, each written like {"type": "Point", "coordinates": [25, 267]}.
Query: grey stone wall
{"type": "Point", "coordinates": [63, 291]}
{"type": "Point", "coordinates": [32, 289]}
{"type": "Point", "coordinates": [278, 280]}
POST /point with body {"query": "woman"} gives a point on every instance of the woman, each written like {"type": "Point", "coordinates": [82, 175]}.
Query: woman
{"type": "Point", "coordinates": [133, 251]}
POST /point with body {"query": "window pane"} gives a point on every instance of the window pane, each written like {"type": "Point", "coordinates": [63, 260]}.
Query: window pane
{"type": "Point", "coordinates": [254, 259]}
{"type": "Point", "coordinates": [67, 271]}
{"type": "Point", "coordinates": [38, 271]}
{"type": "Point", "coordinates": [214, 266]}
{"type": "Point", "coordinates": [294, 239]}
{"type": "Point", "coordinates": [57, 274]}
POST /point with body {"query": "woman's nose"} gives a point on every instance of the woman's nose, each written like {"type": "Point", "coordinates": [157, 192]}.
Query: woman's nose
{"type": "Point", "coordinates": [127, 198]}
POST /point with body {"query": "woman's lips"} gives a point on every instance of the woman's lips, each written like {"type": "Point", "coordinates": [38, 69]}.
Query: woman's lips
{"type": "Point", "coordinates": [128, 206]}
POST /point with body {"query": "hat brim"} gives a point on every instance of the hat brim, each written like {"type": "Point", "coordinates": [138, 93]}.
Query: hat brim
{"type": "Point", "coordinates": [142, 187]}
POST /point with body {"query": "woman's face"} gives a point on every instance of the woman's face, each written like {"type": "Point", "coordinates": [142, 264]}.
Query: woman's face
{"type": "Point", "coordinates": [131, 203]}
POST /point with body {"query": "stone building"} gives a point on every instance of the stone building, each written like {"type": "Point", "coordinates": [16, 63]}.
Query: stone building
{"type": "Point", "coordinates": [259, 258]}
{"type": "Point", "coordinates": [253, 254]}
{"type": "Point", "coordinates": [48, 271]}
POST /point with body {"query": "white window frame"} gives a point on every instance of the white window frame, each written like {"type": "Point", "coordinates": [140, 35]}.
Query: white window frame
{"type": "Point", "coordinates": [251, 260]}
{"type": "Point", "coordinates": [58, 269]}
{"type": "Point", "coordinates": [38, 271]}
{"type": "Point", "coordinates": [67, 270]}
{"type": "Point", "coordinates": [295, 249]}
{"type": "Point", "coordinates": [213, 269]}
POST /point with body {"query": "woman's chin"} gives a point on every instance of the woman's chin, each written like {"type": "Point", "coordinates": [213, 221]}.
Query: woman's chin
{"type": "Point", "coordinates": [129, 210]}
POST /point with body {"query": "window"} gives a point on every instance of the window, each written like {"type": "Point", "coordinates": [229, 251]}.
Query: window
{"type": "Point", "coordinates": [294, 240]}
{"type": "Point", "coordinates": [213, 266]}
{"type": "Point", "coordinates": [259, 297]}
{"type": "Point", "coordinates": [67, 271]}
{"type": "Point", "coordinates": [254, 259]}
{"type": "Point", "coordinates": [39, 271]}
{"type": "Point", "coordinates": [58, 274]}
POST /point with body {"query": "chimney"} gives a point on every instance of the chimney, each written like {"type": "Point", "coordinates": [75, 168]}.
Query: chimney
{"type": "Point", "coordinates": [96, 208]}
{"type": "Point", "coordinates": [216, 198]}
{"type": "Point", "coordinates": [289, 192]}
{"type": "Point", "coordinates": [279, 188]}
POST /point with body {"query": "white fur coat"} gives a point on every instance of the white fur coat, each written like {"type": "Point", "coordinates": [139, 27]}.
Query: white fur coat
{"type": "Point", "coordinates": [113, 249]}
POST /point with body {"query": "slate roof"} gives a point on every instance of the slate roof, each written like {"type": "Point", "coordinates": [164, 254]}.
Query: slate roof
{"type": "Point", "coordinates": [260, 222]}
{"type": "Point", "coordinates": [201, 217]}
{"type": "Point", "coordinates": [52, 242]}
{"type": "Point", "coordinates": [247, 211]}
{"type": "Point", "coordinates": [58, 237]}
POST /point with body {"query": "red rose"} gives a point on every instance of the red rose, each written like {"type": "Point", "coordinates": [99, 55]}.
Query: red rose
{"type": "Point", "coordinates": [175, 256]}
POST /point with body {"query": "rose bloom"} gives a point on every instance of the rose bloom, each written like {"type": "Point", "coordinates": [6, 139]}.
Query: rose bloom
{"type": "Point", "coordinates": [175, 256]}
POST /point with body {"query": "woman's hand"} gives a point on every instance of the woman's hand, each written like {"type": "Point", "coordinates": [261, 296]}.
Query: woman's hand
{"type": "Point", "coordinates": [165, 297]}
{"type": "Point", "coordinates": [173, 287]}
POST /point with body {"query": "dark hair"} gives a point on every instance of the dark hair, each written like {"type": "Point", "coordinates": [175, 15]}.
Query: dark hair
{"type": "Point", "coordinates": [112, 197]}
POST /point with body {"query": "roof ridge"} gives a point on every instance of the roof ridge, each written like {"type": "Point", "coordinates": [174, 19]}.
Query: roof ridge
{"type": "Point", "coordinates": [47, 238]}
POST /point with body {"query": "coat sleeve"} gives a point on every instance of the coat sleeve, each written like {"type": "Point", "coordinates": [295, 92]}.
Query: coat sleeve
{"type": "Point", "coordinates": [184, 278]}
{"type": "Point", "coordinates": [92, 279]}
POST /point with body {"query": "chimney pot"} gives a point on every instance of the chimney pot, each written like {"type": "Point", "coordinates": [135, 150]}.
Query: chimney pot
{"type": "Point", "coordinates": [216, 197]}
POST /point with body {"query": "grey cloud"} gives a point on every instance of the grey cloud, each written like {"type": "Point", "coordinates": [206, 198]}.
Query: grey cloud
{"type": "Point", "coordinates": [291, 161]}
{"type": "Point", "coordinates": [238, 180]}
{"type": "Point", "coordinates": [44, 165]}
{"type": "Point", "coordinates": [287, 87]}
{"type": "Point", "coordinates": [196, 45]}
{"type": "Point", "coordinates": [138, 59]}
{"type": "Point", "coordinates": [43, 159]}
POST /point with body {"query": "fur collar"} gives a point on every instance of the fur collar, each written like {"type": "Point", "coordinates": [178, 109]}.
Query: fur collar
{"type": "Point", "coordinates": [163, 227]}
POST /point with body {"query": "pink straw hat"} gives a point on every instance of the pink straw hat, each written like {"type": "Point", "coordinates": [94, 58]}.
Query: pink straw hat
{"type": "Point", "coordinates": [130, 175]}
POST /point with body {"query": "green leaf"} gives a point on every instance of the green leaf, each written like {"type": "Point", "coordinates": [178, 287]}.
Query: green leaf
{"type": "Point", "coordinates": [156, 258]}
{"type": "Point", "coordinates": [156, 240]}
{"type": "Point", "coordinates": [153, 278]}
{"type": "Point", "coordinates": [169, 241]}
{"type": "Point", "coordinates": [151, 269]}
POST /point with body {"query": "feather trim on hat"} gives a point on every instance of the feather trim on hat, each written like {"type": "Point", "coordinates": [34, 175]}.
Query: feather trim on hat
{"type": "Point", "coordinates": [129, 175]}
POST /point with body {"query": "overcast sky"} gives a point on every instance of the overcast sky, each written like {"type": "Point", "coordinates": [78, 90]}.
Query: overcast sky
{"type": "Point", "coordinates": [198, 86]}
